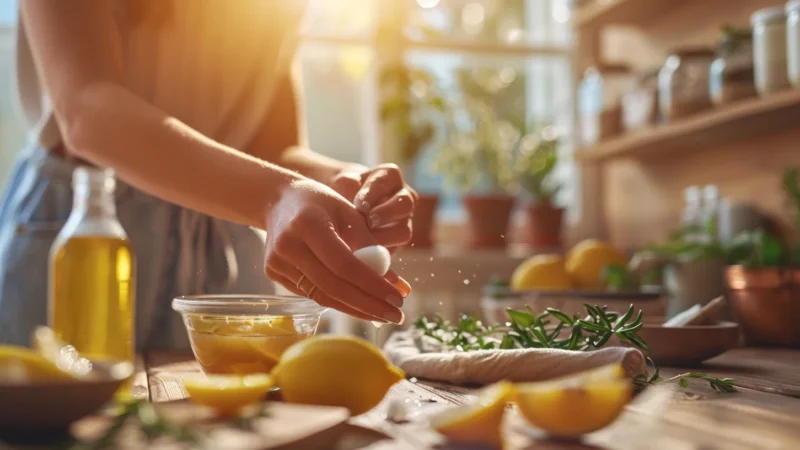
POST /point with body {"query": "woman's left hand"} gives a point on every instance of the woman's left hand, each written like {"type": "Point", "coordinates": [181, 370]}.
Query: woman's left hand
{"type": "Point", "coordinates": [384, 198]}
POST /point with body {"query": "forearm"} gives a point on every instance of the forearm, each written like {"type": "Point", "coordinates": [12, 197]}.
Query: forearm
{"type": "Point", "coordinates": [310, 164]}
{"type": "Point", "coordinates": [109, 126]}
{"type": "Point", "coordinates": [281, 139]}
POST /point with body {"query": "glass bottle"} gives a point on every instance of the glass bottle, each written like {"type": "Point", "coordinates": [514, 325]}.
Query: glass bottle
{"type": "Point", "coordinates": [92, 273]}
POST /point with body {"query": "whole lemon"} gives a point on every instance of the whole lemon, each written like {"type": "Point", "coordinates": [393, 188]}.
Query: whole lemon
{"type": "Point", "coordinates": [541, 272]}
{"type": "Point", "coordinates": [586, 261]}
{"type": "Point", "coordinates": [335, 371]}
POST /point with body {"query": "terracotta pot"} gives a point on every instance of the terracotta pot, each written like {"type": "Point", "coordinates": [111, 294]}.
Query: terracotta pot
{"type": "Point", "coordinates": [544, 225]}
{"type": "Point", "coordinates": [487, 219]}
{"type": "Point", "coordinates": [423, 220]}
{"type": "Point", "coordinates": [766, 303]}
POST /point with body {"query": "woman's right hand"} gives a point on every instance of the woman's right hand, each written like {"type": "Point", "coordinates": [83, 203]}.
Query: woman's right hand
{"type": "Point", "coordinates": [311, 234]}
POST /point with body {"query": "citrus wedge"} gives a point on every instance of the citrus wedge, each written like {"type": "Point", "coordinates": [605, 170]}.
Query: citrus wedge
{"type": "Point", "coordinates": [22, 365]}
{"type": "Point", "coordinates": [578, 404]}
{"type": "Point", "coordinates": [58, 352]}
{"type": "Point", "coordinates": [227, 394]}
{"type": "Point", "coordinates": [479, 422]}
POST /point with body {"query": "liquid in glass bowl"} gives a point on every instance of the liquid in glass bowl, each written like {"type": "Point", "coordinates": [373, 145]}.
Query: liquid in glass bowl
{"type": "Point", "coordinates": [245, 334]}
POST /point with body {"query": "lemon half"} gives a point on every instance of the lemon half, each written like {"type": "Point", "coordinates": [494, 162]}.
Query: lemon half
{"type": "Point", "coordinates": [576, 405]}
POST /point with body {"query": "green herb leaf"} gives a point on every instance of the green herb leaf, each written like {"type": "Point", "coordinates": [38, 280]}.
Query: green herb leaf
{"type": "Point", "coordinates": [522, 319]}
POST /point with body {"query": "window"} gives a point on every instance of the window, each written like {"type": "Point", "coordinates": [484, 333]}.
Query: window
{"type": "Point", "coordinates": [522, 44]}
{"type": "Point", "coordinates": [519, 50]}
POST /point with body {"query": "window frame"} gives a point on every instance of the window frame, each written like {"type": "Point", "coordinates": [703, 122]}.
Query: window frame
{"type": "Point", "coordinates": [392, 48]}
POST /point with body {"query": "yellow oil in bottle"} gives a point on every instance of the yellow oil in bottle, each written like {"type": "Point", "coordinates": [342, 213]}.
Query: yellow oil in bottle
{"type": "Point", "coordinates": [93, 275]}
{"type": "Point", "coordinates": [93, 296]}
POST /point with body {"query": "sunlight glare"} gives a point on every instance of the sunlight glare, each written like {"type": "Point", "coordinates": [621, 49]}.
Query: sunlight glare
{"type": "Point", "coordinates": [428, 4]}
{"type": "Point", "coordinates": [472, 17]}
{"type": "Point", "coordinates": [561, 11]}
{"type": "Point", "coordinates": [355, 61]}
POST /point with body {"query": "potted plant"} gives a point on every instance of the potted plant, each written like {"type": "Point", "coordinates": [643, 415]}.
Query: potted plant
{"type": "Point", "coordinates": [536, 161]}
{"type": "Point", "coordinates": [477, 159]}
{"type": "Point", "coordinates": [763, 279]}
{"type": "Point", "coordinates": [410, 108]}
{"type": "Point", "coordinates": [691, 265]}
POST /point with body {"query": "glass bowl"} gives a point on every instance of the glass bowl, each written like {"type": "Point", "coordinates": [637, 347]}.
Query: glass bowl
{"type": "Point", "coordinates": [244, 334]}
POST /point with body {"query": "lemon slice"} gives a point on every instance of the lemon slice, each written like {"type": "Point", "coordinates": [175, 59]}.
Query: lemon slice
{"type": "Point", "coordinates": [227, 394]}
{"type": "Point", "coordinates": [58, 352]}
{"type": "Point", "coordinates": [22, 365]}
{"type": "Point", "coordinates": [576, 405]}
{"type": "Point", "coordinates": [477, 423]}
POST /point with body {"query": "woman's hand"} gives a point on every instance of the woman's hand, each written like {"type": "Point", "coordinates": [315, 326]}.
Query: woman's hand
{"type": "Point", "coordinates": [311, 235]}
{"type": "Point", "coordinates": [384, 198]}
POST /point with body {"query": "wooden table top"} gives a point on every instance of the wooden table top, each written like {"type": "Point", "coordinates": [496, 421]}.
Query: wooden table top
{"type": "Point", "coordinates": [763, 414]}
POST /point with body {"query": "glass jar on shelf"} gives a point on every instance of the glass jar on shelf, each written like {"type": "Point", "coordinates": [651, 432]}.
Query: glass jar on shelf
{"type": "Point", "coordinates": [731, 75]}
{"type": "Point", "coordinates": [683, 82]}
{"type": "Point", "coordinates": [769, 49]}
{"type": "Point", "coordinates": [793, 41]}
{"type": "Point", "coordinates": [599, 101]}
{"type": "Point", "coordinates": [640, 104]}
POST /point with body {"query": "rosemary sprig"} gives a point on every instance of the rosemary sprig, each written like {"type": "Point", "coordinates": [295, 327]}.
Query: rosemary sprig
{"type": "Point", "coordinates": [526, 329]}
{"type": "Point", "coordinates": [718, 384]}
{"type": "Point", "coordinates": [143, 415]}
{"type": "Point", "coordinates": [248, 422]}
{"type": "Point", "coordinates": [149, 423]}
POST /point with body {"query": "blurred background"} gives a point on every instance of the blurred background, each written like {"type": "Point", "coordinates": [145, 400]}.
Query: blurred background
{"type": "Point", "coordinates": [531, 125]}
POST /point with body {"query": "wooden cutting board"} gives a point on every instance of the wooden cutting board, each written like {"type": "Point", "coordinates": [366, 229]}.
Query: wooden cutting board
{"type": "Point", "coordinates": [286, 427]}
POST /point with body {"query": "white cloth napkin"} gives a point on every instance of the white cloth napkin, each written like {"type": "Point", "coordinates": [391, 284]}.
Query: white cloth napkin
{"type": "Point", "coordinates": [410, 352]}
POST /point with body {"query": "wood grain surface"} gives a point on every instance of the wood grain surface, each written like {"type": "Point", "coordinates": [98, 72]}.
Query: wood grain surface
{"type": "Point", "coordinates": [763, 414]}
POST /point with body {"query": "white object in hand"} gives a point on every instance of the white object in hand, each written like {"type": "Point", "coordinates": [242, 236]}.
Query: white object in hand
{"type": "Point", "coordinates": [376, 257]}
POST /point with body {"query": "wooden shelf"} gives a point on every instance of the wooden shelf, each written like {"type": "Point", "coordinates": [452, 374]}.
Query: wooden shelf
{"type": "Point", "coordinates": [716, 126]}
{"type": "Point", "coordinates": [628, 12]}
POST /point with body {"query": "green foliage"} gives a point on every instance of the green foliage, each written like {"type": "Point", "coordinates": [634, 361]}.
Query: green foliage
{"type": "Point", "coordinates": [791, 188]}
{"type": "Point", "coordinates": [755, 249]}
{"type": "Point", "coordinates": [617, 278]}
{"type": "Point", "coordinates": [537, 158]}
{"type": "Point", "coordinates": [412, 105]}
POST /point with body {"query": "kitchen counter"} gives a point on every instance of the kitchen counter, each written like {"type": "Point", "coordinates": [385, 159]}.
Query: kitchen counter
{"type": "Point", "coordinates": [763, 414]}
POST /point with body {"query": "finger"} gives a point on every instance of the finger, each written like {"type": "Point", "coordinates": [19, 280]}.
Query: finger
{"type": "Point", "coordinates": [335, 252]}
{"type": "Point", "coordinates": [399, 207]}
{"type": "Point", "coordinates": [399, 282]}
{"type": "Point", "coordinates": [339, 288]}
{"type": "Point", "coordinates": [393, 235]}
{"type": "Point", "coordinates": [413, 194]}
{"type": "Point", "coordinates": [383, 183]}
{"type": "Point", "coordinates": [347, 184]}
{"type": "Point", "coordinates": [284, 281]}
{"type": "Point", "coordinates": [321, 298]}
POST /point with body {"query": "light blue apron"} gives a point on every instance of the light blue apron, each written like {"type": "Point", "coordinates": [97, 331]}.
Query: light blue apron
{"type": "Point", "coordinates": [178, 252]}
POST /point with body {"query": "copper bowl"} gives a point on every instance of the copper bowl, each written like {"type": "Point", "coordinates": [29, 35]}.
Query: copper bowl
{"type": "Point", "coordinates": [766, 303]}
